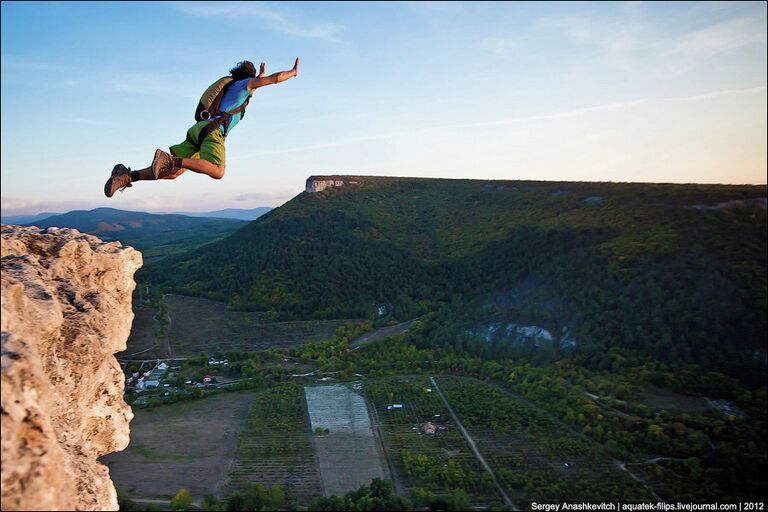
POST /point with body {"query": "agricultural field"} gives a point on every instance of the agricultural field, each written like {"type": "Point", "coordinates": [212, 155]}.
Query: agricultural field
{"type": "Point", "coordinates": [664, 399]}
{"type": "Point", "coordinates": [344, 440]}
{"type": "Point", "coordinates": [533, 455]}
{"type": "Point", "coordinates": [441, 462]}
{"type": "Point", "coordinates": [275, 447]}
{"type": "Point", "coordinates": [187, 444]}
{"type": "Point", "coordinates": [142, 342]}
{"type": "Point", "coordinates": [198, 325]}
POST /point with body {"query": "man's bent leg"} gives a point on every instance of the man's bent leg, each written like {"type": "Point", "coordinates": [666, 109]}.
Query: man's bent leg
{"type": "Point", "coordinates": [211, 163]}
{"type": "Point", "coordinates": [213, 157]}
{"type": "Point", "coordinates": [199, 165]}
{"type": "Point", "coordinates": [149, 174]}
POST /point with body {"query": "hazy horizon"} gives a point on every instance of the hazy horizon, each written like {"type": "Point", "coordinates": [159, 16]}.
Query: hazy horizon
{"type": "Point", "coordinates": [170, 211]}
{"type": "Point", "coordinates": [618, 92]}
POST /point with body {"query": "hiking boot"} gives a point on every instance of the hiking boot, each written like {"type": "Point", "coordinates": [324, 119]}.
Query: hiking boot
{"type": "Point", "coordinates": [162, 164]}
{"type": "Point", "coordinates": [120, 180]}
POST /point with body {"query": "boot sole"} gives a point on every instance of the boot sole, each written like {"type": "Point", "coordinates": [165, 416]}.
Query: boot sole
{"type": "Point", "coordinates": [108, 184]}
{"type": "Point", "coordinates": [108, 188]}
{"type": "Point", "coordinates": [155, 170]}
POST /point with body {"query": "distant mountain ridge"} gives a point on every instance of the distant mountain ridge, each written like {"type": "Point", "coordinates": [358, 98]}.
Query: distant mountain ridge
{"type": "Point", "coordinates": [624, 265]}
{"type": "Point", "coordinates": [153, 234]}
{"type": "Point", "coordinates": [26, 219]}
{"type": "Point", "coordinates": [231, 213]}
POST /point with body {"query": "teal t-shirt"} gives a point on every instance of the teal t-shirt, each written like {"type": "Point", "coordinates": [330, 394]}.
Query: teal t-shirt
{"type": "Point", "coordinates": [234, 96]}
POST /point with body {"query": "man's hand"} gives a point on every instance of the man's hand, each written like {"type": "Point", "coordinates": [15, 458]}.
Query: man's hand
{"type": "Point", "coordinates": [275, 78]}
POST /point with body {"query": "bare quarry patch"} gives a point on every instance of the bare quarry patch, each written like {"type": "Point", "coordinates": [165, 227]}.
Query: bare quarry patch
{"type": "Point", "coordinates": [346, 453]}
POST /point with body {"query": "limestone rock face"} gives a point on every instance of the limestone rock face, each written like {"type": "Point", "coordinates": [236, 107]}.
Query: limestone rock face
{"type": "Point", "coordinates": [66, 309]}
{"type": "Point", "coordinates": [315, 184]}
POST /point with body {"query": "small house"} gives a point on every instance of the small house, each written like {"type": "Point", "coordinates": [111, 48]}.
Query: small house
{"type": "Point", "coordinates": [429, 428]}
{"type": "Point", "coordinates": [162, 366]}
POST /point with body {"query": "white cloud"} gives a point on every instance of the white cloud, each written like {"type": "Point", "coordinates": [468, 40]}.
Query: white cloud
{"type": "Point", "coordinates": [19, 63]}
{"type": "Point", "coordinates": [259, 10]}
{"type": "Point", "coordinates": [151, 85]}
{"type": "Point", "coordinates": [72, 77]}
{"type": "Point", "coordinates": [575, 27]}
{"type": "Point", "coordinates": [18, 206]}
{"type": "Point", "coordinates": [272, 196]}
{"type": "Point", "coordinates": [634, 40]}
{"type": "Point", "coordinates": [13, 204]}
{"type": "Point", "coordinates": [499, 45]}
{"type": "Point", "coordinates": [695, 47]}
{"type": "Point", "coordinates": [514, 120]}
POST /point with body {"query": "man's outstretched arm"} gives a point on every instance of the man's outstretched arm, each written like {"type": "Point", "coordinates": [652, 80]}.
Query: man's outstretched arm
{"type": "Point", "coordinates": [275, 78]}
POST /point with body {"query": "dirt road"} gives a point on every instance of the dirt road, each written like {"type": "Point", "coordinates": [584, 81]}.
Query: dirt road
{"type": "Point", "coordinates": [471, 444]}
{"type": "Point", "coordinates": [167, 340]}
{"type": "Point", "coordinates": [384, 332]}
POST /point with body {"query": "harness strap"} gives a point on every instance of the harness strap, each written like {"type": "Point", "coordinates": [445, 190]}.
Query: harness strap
{"type": "Point", "coordinates": [213, 124]}
{"type": "Point", "coordinates": [228, 114]}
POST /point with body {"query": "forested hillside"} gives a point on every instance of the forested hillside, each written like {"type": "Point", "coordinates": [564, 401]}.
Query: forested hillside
{"type": "Point", "coordinates": [676, 273]}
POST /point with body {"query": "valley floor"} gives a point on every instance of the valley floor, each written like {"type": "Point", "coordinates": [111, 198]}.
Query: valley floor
{"type": "Point", "coordinates": [182, 326]}
{"type": "Point", "coordinates": [187, 444]}
{"type": "Point", "coordinates": [278, 436]}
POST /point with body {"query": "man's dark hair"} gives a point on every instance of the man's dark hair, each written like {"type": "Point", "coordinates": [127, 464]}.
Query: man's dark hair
{"type": "Point", "coordinates": [244, 69]}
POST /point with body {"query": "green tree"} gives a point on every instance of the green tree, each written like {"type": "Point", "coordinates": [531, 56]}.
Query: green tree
{"type": "Point", "coordinates": [182, 500]}
{"type": "Point", "coordinates": [439, 504]}
{"type": "Point", "coordinates": [275, 498]}
{"type": "Point", "coordinates": [235, 502]}
{"type": "Point", "coordinates": [124, 503]}
{"type": "Point", "coordinates": [255, 496]}
{"type": "Point", "coordinates": [381, 488]}
{"type": "Point", "coordinates": [459, 500]}
{"type": "Point", "coordinates": [327, 503]}
{"type": "Point", "coordinates": [210, 502]}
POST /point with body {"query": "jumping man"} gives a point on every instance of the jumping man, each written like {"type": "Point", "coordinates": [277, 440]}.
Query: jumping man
{"type": "Point", "coordinates": [203, 150]}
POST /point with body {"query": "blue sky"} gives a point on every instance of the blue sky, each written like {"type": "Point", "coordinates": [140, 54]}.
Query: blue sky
{"type": "Point", "coordinates": [626, 91]}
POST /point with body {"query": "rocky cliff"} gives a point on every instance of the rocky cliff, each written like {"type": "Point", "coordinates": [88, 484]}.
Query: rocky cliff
{"type": "Point", "coordinates": [320, 183]}
{"type": "Point", "coordinates": [66, 309]}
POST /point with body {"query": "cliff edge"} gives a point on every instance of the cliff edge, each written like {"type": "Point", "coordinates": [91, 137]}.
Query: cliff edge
{"type": "Point", "coordinates": [66, 309]}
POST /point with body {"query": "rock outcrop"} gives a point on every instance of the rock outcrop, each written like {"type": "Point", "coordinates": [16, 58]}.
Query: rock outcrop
{"type": "Point", "coordinates": [66, 309]}
{"type": "Point", "coordinates": [755, 202]}
{"type": "Point", "coordinates": [320, 183]}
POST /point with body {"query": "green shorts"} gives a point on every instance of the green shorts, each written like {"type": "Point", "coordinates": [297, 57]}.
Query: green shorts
{"type": "Point", "coordinates": [211, 149]}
